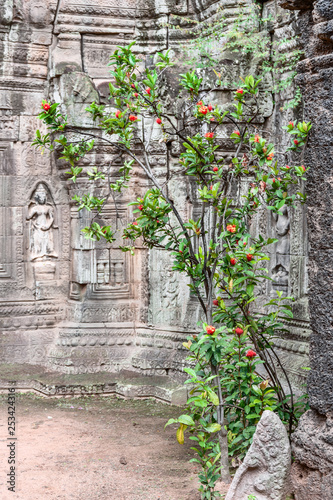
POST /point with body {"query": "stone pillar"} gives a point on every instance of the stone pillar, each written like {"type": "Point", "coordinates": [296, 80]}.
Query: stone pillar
{"type": "Point", "coordinates": [313, 441]}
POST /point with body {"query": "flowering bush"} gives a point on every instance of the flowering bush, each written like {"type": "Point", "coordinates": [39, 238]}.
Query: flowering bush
{"type": "Point", "coordinates": [223, 261]}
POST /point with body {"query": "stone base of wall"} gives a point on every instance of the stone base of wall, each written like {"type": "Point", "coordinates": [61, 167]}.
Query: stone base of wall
{"type": "Point", "coordinates": [312, 447]}
{"type": "Point", "coordinates": [126, 384]}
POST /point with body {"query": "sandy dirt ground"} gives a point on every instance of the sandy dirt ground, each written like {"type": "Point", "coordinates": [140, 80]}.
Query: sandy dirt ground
{"type": "Point", "coordinates": [95, 448]}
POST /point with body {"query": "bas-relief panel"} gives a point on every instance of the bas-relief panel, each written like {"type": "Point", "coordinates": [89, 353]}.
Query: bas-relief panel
{"type": "Point", "coordinates": [106, 285]}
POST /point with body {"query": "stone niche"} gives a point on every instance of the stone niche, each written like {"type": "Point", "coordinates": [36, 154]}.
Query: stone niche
{"type": "Point", "coordinates": [74, 305]}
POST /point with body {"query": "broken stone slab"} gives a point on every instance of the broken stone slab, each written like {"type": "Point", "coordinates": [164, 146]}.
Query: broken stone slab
{"type": "Point", "coordinates": [265, 470]}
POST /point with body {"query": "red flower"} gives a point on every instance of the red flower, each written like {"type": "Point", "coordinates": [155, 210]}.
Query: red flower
{"type": "Point", "coordinates": [273, 180]}
{"type": "Point", "coordinates": [133, 86]}
{"type": "Point", "coordinates": [295, 142]}
{"type": "Point", "coordinates": [291, 124]}
{"type": "Point", "coordinates": [256, 138]}
{"type": "Point", "coordinates": [210, 330]}
{"type": "Point", "coordinates": [191, 89]}
{"type": "Point", "coordinates": [211, 187]}
{"type": "Point", "coordinates": [287, 166]}
{"type": "Point", "coordinates": [236, 132]}
{"type": "Point", "coordinates": [239, 331]}
{"type": "Point", "coordinates": [209, 135]}
{"type": "Point", "coordinates": [46, 106]}
{"type": "Point", "coordinates": [216, 169]}
{"type": "Point", "coordinates": [215, 302]}
{"type": "Point", "coordinates": [270, 156]}
{"type": "Point", "coordinates": [148, 90]}
{"type": "Point", "coordinates": [140, 207]}
{"type": "Point", "coordinates": [136, 94]}
{"type": "Point", "coordinates": [159, 121]}
{"type": "Point", "coordinates": [212, 119]}
{"type": "Point", "coordinates": [135, 223]}
{"type": "Point", "coordinates": [303, 168]}
{"type": "Point", "coordinates": [210, 107]}
{"type": "Point", "coordinates": [199, 103]}
{"type": "Point", "coordinates": [249, 257]}
{"type": "Point", "coordinates": [132, 118]}
{"type": "Point", "coordinates": [233, 261]}
{"type": "Point", "coordinates": [240, 91]}
{"type": "Point", "coordinates": [250, 354]}
{"type": "Point", "coordinates": [231, 228]}
{"type": "Point", "coordinates": [203, 110]}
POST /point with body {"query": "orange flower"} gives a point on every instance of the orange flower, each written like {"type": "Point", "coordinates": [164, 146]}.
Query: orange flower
{"type": "Point", "coordinates": [231, 228]}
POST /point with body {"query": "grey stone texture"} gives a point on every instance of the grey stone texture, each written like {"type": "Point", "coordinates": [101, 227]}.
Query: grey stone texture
{"type": "Point", "coordinates": [79, 307]}
{"type": "Point", "coordinates": [265, 470]}
{"type": "Point", "coordinates": [312, 473]}
{"type": "Point", "coordinates": [313, 441]}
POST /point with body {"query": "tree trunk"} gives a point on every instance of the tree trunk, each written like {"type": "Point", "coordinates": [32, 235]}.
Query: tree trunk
{"type": "Point", "coordinates": [223, 440]}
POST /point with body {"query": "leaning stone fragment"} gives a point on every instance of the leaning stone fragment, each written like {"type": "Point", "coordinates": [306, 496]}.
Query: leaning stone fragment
{"type": "Point", "coordinates": [265, 470]}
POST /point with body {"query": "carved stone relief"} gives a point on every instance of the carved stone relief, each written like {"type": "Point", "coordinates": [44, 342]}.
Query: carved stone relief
{"type": "Point", "coordinates": [281, 255]}
{"type": "Point", "coordinates": [59, 51]}
{"type": "Point", "coordinates": [42, 234]}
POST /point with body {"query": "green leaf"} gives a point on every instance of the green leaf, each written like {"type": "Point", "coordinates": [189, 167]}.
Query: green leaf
{"type": "Point", "coordinates": [186, 419]}
{"type": "Point", "coordinates": [213, 428]}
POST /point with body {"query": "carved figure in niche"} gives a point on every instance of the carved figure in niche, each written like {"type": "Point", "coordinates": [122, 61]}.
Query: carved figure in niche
{"type": "Point", "coordinates": [170, 307]}
{"type": "Point", "coordinates": [282, 250]}
{"type": "Point", "coordinates": [41, 225]}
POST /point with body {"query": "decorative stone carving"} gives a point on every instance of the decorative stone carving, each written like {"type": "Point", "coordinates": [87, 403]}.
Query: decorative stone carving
{"type": "Point", "coordinates": [264, 472]}
{"type": "Point", "coordinates": [6, 12]}
{"type": "Point", "coordinates": [41, 226]}
{"type": "Point", "coordinates": [40, 234]}
{"type": "Point", "coordinates": [58, 50]}
{"type": "Point", "coordinates": [281, 256]}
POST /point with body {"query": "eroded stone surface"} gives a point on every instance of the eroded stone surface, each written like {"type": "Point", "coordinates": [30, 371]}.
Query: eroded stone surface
{"type": "Point", "coordinates": [313, 442]}
{"type": "Point", "coordinates": [312, 445]}
{"type": "Point", "coordinates": [80, 307]}
{"type": "Point", "coordinates": [264, 472]}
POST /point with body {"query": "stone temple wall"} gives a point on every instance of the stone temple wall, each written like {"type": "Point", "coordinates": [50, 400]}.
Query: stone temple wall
{"type": "Point", "coordinates": [76, 306]}
{"type": "Point", "coordinates": [313, 440]}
